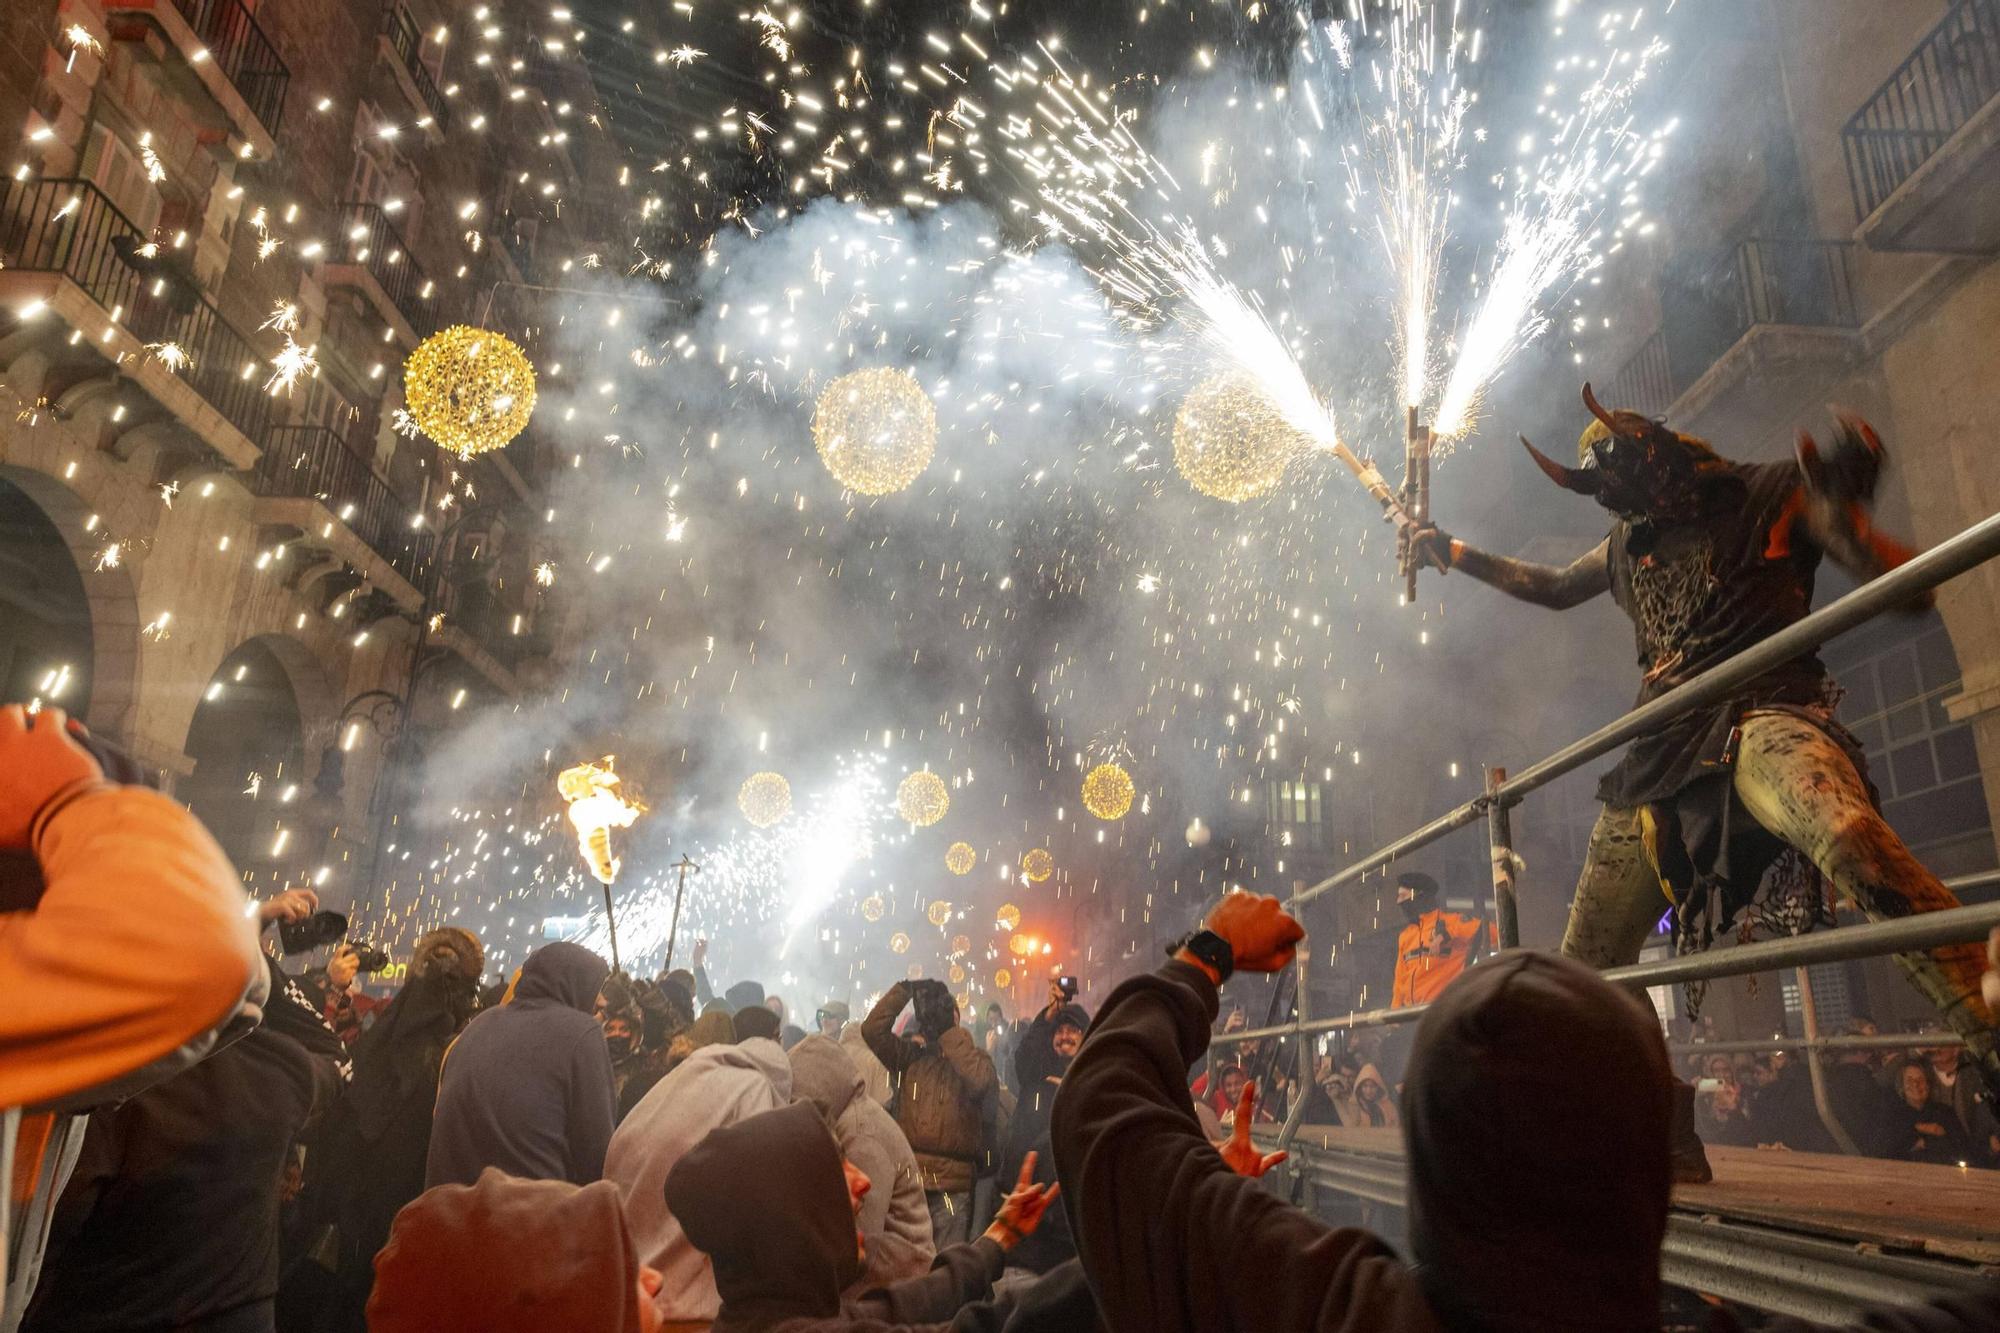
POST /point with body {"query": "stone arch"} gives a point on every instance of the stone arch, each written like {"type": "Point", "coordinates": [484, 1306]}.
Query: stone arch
{"type": "Point", "coordinates": [112, 602]}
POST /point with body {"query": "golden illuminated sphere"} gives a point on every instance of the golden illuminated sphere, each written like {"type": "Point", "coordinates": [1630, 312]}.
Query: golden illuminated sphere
{"type": "Point", "coordinates": [1008, 917]}
{"type": "Point", "coordinates": [1038, 865]}
{"type": "Point", "coordinates": [1230, 442]}
{"type": "Point", "coordinates": [1020, 945]}
{"type": "Point", "coordinates": [764, 798]}
{"type": "Point", "coordinates": [957, 974]}
{"type": "Point", "coordinates": [959, 858]}
{"type": "Point", "coordinates": [871, 908]}
{"type": "Point", "coordinates": [899, 943]}
{"type": "Point", "coordinates": [469, 389]}
{"type": "Point", "coordinates": [961, 943]}
{"type": "Point", "coordinates": [1002, 979]}
{"type": "Point", "coordinates": [922, 799]}
{"type": "Point", "coordinates": [1107, 791]}
{"type": "Point", "coordinates": [876, 430]}
{"type": "Point", "coordinates": [938, 912]}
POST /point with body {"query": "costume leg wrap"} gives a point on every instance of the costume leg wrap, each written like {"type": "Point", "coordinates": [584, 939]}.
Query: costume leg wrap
{"type": "Point", "coordinates": [1798, 783]}
{"type": "Point", "coordinates": [1618, 896]}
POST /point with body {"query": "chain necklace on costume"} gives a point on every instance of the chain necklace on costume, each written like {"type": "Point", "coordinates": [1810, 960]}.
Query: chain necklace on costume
{"type": "Point", "coordinates": [1668, 592]}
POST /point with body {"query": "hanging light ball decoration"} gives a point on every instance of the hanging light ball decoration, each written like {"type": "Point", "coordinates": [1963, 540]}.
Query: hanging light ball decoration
{"type": "Point", "coordinates": [938, 912]}
{"type": "Point", "coordinates": [1230, 442]}
{"type": "Point", "coordinates": [1002, 979]}
{"type": "Point", "coordinates": [1107, 791]}
{"type": "Point", "coordinates": [1008, 917]}
{"type": "Point", "coordinates": [1020, 945]}
{"type": "Point", "coordinates": [1038, 865]}
{"type": "Point", "coordinates": [959, 858]}
{"type": "Point", "coordinates": [922, 799]}
{"type": "Point", "coordinates": [899, 943]}
{"type": "Point", "coordinates": [957, 975]}
{"type": "Point", "coordinates": [876, 430]}
{"type": "Point", "coordinates": [764, 798]}
{"type": "Point", "coordinates": [871, 908]}
{"type": "Point", "coordinates": [471, 390]}
{"type": "Point", "coordinates": [961, 944]}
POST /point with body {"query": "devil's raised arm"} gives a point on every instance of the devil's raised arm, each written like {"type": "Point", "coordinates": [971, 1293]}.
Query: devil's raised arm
{"type": "Point", "coordinates": [1543, 585]}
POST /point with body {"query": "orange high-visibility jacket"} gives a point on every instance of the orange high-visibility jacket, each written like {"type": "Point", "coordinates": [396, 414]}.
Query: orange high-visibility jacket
{"type": "Point", "coordinates": [1431, 953]}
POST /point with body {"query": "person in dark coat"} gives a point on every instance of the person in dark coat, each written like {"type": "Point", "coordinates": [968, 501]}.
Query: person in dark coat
{"type": "Point", "coordinates": [367, 1161]}
{"type": "Point", "coordinates": [527, 1087]}
{"type": "Point", "coordinates": [1924, 1128]}
{"type": "Point", "coordinates": [170, 1218]}
{"type": "Point", "coordinates": [1041, 1056]}
{"type": "Point", "coordinates": [1536, 1118]}
{"type": "Point", "coordinates": [774, 1206]}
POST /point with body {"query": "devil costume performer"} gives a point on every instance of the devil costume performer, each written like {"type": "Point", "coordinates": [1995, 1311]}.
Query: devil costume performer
{"type": "Point", "coordinates": [1762, 789]}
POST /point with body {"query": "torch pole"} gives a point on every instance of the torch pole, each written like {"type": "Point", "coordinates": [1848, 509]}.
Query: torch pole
{"type": "Point", "coordinates": [674, 928]}
{"type": "Point", "coordinates": [611, 926]}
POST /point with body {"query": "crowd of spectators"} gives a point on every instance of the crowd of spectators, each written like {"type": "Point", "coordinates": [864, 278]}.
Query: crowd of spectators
{"type": "Point", "coordinates": [196, 1139]}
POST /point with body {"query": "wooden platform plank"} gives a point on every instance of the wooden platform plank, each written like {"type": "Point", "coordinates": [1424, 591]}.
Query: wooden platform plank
{"type": "Point", "coordinates": [1945, 1211]}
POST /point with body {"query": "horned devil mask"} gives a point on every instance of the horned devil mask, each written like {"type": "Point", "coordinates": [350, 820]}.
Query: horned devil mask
{"type": "Point", "coordinates": [1633, 465]}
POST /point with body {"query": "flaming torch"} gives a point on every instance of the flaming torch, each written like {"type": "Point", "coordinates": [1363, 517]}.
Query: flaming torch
{"type": "Point", "coordinates": [597, 804]}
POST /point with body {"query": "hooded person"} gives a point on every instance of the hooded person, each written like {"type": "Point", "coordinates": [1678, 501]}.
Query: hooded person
{"type": "Point", "coordinates": [719, 1084]}
{"type": "Point", "coordinates": [773, 1204]}
{"type": "Point", "coordinates": [512, 1256]}
{"type": "Point", "coordinates": [1526, 1049]}
{"type": "Point", "coordinates": [894, 1219]}
{"type": "Point", "coordinates": [1747, 807]}
{"type": "Point", "coordinates": [368, 1159]}
{"type": "Point", "coordinates": [756, 1021]}
{"type": "Point", "coordinates": [946, 1095]}
{"type": "Point", "coordinates": [744, 995]}
{"type": "Point", "coordinates": [527, 1087]}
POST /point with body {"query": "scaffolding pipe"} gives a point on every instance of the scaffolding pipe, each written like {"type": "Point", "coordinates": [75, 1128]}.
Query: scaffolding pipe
{"type": "Point", "coordinates": [1970, 548]}
{"type": "Point", "coordinates": [1500, 847]}
{"type": "Point", "coordinates": [1822, 1102]}
{"type": "Point", "coordinates": [1927, 930]}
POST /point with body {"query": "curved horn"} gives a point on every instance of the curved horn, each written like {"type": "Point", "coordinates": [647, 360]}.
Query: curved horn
{"type": "Point", "coordinates": [1597, 409]}
{"type": "Point", "coordinates": [1581, 480]}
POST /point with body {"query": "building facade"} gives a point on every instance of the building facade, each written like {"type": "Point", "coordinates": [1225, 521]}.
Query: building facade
{"type": "Point", "coordinates": [223, 227]}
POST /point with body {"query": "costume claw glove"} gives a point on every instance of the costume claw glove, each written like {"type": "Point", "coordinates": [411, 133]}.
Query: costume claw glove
{"type": "Point", "coordinates": [1850, 467]}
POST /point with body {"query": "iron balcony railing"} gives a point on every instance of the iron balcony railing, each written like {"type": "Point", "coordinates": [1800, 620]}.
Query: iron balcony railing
{"type": "Point", "coordinates": [1954, 71]}
{"type": "Point", "coordinates": [370, 240]}
{"type": "Point", "coordinates": [243, 53]}
{"type": "Point", "coordinates": [318, 462]}
{"type": "Point", "coordinates": [69, 227]}
{"type": "Point", "coordinates": [1973, 547]}
{"type": "Point", "coordinates": [1757, 282]}
{"type": "Point", "coordinates": [408, 43]}
{"type": "Point", "coordinates": [1646, 382]}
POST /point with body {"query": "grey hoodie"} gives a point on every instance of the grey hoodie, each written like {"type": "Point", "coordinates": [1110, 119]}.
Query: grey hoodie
{"type": "Point", "coordinates": [894, 1218]}
{"type": "Point", "coordinates": [716, 1086]}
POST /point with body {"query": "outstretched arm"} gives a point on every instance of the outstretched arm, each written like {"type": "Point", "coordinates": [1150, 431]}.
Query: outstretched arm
{"type": "Point", "coordinates": [1544, 585]}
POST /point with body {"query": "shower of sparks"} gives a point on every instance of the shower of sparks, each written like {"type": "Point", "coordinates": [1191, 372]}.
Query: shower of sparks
{"type": "Point", "coordinates": [292, 363]}
{"type": "Point", "coordinates": [171, 355]}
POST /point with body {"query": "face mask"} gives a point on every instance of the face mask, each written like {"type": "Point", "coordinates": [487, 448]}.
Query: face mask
{"type": "Point", "coordinates": [621, 1046]}
{"type": "Point", "coordinates": [1413, 909]}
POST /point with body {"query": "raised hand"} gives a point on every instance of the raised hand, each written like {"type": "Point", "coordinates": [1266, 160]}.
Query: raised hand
{"type": "Point", "coordinates": [1021, 1212]}
{"type": "Point", "coordinates": [1262, 936]}
{"type": "Point", "coordinates": [38, 760]}
{"type": "Point", "coordinates": [291, 905]}
{"type": "Point", "coordinates": [1243, 1156]}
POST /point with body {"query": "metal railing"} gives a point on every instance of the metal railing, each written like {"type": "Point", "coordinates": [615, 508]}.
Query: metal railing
{"type": "Point", "coordinates": [369, 239]}
{"type": "Point", "coordinates": [408, 43]}
{"type": "Point", "coordinates": [69, 227]}
{"type": "Point", "coordinates": [1968, 549]}
{"type": "Point", "coordinates": [1795, 282]}
{"type": "Point", "coordinates": [243, 53]}
{"type": "Point", "coordinates": [1646, 382]}
{"type": "Point", "coordinates": [1954, 71]}
{"type": "Point", "coordinates": [317, 462]}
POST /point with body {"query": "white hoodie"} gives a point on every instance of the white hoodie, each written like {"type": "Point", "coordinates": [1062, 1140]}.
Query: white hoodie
{"type": "Point", "coordinates": [716, 1086]}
